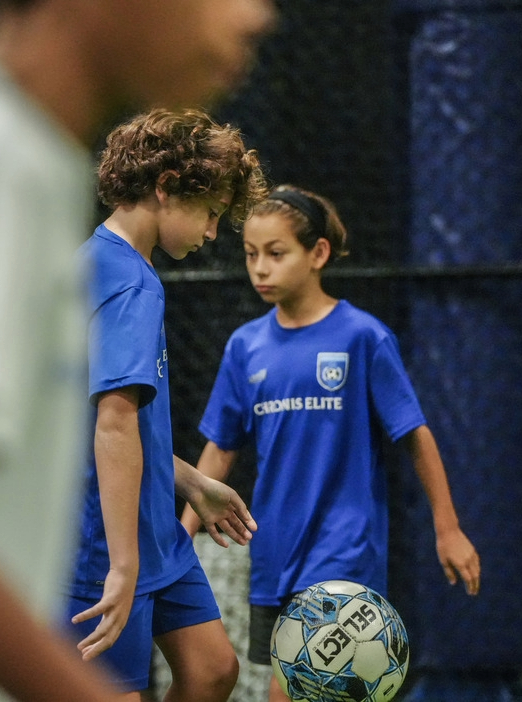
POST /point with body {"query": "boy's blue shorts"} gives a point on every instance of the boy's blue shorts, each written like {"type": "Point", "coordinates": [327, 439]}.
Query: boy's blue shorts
{"type": "Point", "coordinates": [186, 602]}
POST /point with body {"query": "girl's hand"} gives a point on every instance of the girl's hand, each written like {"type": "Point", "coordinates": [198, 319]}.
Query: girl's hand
{"type": "Point", "coordinates": [458, 556]}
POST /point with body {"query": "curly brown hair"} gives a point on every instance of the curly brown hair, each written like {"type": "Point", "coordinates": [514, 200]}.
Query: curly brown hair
{"type": "Point", "coordinates": [204, 157]}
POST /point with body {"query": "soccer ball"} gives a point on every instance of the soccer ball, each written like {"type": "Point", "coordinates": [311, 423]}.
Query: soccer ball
{"type": "Point", "coordinates": [339, 641]}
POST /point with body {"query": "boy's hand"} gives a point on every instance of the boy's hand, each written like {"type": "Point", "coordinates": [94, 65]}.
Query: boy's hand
{"type": "Point", "coordinates": [114, 606]}
{"type": "Point", "coordinates": [457, 555]}
{"type": "Point", "coordinates": [217, 504]}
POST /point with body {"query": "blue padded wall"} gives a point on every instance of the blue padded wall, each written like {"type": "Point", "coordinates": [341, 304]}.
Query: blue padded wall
{"type": "Point", "coordinates": [464, 333]}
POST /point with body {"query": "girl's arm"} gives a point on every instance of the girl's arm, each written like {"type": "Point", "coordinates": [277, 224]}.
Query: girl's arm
{"type": "Point", "coordinates": [215, 463]}
{"type": "Point", "coordinates": [455, 552]}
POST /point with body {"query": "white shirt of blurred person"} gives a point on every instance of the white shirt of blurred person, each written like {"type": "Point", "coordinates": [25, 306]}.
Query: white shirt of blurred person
{"type": "Point", "coordinates": [67, 68]}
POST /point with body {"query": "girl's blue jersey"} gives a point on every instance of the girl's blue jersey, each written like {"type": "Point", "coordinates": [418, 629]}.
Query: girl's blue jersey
{"type": "Point", "coordinates": [314, 401]}
{"type": "Point", "coordinates": [127, 346]}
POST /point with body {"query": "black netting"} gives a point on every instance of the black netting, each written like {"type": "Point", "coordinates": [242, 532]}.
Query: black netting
{"type": "Point", "coordinates": [317, 107]}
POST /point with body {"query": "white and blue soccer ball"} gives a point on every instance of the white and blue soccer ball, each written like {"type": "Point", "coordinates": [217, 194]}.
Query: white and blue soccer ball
{"type": "Point", "coordinates": [339, 641]}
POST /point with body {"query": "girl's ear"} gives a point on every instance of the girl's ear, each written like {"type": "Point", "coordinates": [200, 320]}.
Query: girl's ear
{"type": "Point", "coordinates": [321, 253]}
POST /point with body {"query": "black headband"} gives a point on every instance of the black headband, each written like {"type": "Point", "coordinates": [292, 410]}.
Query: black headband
{"type": "Point", "coordinates": [312, 209]}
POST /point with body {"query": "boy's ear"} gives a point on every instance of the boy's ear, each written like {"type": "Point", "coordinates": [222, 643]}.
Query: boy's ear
{"type": "Point", "coordinates": [166, 178]}
{"type": "Point", "coordinates": [321, 251]}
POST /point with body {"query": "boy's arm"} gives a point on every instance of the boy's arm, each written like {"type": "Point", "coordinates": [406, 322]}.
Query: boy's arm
{"type": "Point", "coordinates": [456, 553]}
{"type": "Point", "coordinates": [37, 666]}
{"type": "Point", "coordinates": [210, 501]}
{"type": "Point", "coordinates": [119, 466]}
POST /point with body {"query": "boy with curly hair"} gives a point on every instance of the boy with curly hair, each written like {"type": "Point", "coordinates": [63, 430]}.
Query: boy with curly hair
{"type": "Point", "coordinates": [168, 179]}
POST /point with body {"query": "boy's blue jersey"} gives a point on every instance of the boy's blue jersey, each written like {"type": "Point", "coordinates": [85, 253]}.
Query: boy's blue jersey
{"type": "Point", "coordinates": [127, 346]}
{"type": "Point", "coordinates": [314, 400]}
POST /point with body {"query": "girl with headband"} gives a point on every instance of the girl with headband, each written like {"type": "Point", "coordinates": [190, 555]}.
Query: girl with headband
{"type": "Point", "coordinates": [313, 384]}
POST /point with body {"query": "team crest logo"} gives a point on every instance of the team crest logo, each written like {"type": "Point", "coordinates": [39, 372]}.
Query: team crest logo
{"type": "Point", "coordinates": [332, 370]}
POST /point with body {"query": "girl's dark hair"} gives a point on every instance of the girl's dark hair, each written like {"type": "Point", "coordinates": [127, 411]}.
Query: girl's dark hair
{"type": "Point", "coordinates": [312, 217]}
{"type": "Point", "coordinates": [203, 156]}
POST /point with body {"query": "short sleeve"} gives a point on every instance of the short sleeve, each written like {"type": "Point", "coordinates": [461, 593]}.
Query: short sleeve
{"type": "Point", "coordinates": [392, 393]}
{"type": "Point", "coordinates": [124, 336]}
{"type": "Point", "coordinates": [224, 420]}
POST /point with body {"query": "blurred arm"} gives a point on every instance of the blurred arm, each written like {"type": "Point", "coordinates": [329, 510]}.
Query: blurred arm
{"type": "Point", "coordinates": [37, 666]}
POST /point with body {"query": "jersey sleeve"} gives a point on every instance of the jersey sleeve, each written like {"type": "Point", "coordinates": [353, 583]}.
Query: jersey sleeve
{"type": "Point", "coordinates": [123, 344]}
{"type": "Point", "coordinates": [392, 393]}
{"type": "Point", "coordinates": [224, 419]}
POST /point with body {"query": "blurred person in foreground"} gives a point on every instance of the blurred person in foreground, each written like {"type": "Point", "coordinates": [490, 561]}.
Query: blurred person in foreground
{"type": "Point", "coordinates": [67, 70]}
